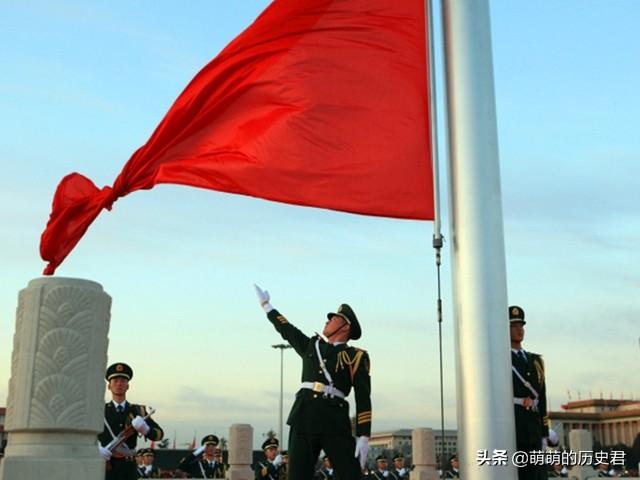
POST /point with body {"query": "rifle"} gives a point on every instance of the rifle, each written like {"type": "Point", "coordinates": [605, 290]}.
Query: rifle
{"type": "Point", "coordinates": [117, 445]}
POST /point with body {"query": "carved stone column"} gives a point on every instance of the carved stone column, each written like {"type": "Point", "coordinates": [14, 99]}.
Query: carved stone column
{"type": "Point", "coordinates": [423, 454]}
{"type": "Point", "coordinates": [240, 452]}
{"type": "Point", "coordinates": [55, 406]}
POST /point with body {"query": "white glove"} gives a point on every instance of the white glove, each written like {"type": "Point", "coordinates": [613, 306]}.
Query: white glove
{"type": "Point", "coordinates": [198, 450]}
{"type": "Point", "coordinates": [263, 298]}
{"type": "Point", "coordinates": [277, 461]}
{"type": "Point", "coordinates": [402, 471]}
{"type": "Point", "coordinates": [362, 449]}
{"type": "Point", "coordinates": [552, 439]}
{"type": "Point", "coordinates": [140, 425]}
{"type": "Point", "coordinates": [385, 473]}
{"type": "Point", "coordinates": [105, 453]}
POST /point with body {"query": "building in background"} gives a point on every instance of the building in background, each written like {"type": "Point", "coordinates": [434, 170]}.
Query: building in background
{"type": "Point", "coordinates": [610, 422]}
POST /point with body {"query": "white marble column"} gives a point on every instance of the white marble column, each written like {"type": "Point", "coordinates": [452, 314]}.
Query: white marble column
{"type": "Point", "coordinates": [423, 450]}
{"type": "Point", "coordinates": [581, 441]}
{"type": "Point", "coordinates": [240, 452]}
{"type": "Point", "coordinates": [55, 406]}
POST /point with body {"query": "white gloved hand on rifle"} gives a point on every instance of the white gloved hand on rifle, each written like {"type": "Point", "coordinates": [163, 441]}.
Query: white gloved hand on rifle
{"type": "Point", "coordinates": [362, 450]}
{"type": "Point", "coordinates": [140, 425]}
{"type": "Point", "coordinates": [263, 298]}
{"type": "Point", "coordinates": [278, 460]}
{"type": "Point", "coordinates": [105, 453]}
{"type": "Point", "coordinates": [198, 450]}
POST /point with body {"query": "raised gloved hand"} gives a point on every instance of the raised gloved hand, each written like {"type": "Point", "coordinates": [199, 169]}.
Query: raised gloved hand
{"type": "Point", "coordinates": [277, 461]}
{"type": "Point", "coordinates": [198, 450]}
{"type": "Point", "coordinates": [385, 473]}
{"type": "Point", "coordinates": [263, 298]}
{"type": "Point", "coordinates": [552, 439]}
{"type": "Point", "coordinates": [362, 449]}
{"type": "Point", "coordinates": [140, 425]}
{"type": "Point", "coordinates": [402, 471]}
{"type": "Point", "coordinates": [105, 453]}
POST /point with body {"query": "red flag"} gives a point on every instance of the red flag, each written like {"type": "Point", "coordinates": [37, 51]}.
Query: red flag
{"type": "Point", "coordinates": [321, 103]}
{"type": "Point", "coordinates": [153, 444]}
{"type": "Point", "coordinates": [174, 440]}
{"type": "Point", "coordinates": [192, 445]}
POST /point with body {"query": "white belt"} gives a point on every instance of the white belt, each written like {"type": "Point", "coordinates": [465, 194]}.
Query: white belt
{"type": "Point", "coordinates": [320, 387]}
{"type": "Point", "coordinates": [520, 401]}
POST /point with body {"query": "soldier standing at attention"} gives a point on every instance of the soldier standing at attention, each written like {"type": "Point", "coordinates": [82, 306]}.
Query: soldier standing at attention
{"type": "Point", "coordinates": [118, 415]}
{"type": "Point", "coordinates": [206, 466]}
{"type": "Point", "coordinates": [326, 471]}
{"type": "Point", "coordinates": [269, 469]}
{"type": "Point", "coordinates": [148, 469]}
{"type": "Point", "coordinates": [398, 472]}
{"type": "Point", "coordinates": [529, 396]}
{"type": "Point", "coordinates": [381, 472]}
{"type": "Point", "coordinates": [319, 417]}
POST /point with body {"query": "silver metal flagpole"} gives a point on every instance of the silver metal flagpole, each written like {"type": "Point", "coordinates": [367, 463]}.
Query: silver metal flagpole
{"type": "Point", "coordinates": [483, 375]}
{"type": "Point", "coordinates": [438, 239]}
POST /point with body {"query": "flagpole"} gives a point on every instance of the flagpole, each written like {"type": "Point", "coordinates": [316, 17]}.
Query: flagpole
{"type": "Point", "coordinates": [438, 239]}
{"type": "Point", "coordinates": [483, 375]}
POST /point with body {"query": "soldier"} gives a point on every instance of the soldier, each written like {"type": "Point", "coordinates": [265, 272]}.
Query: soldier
{"type": "Point", "coordinates": [206, 466]}
{"type": "Point", "coordinates": [268, 469]}
{"type": "Point", "coordinates": [454, 468]}
{"type": "Point", "coordinates": [119, 415]}
{"type": "Point", "coordinates": [140, 462]}
{"type": "Point", "coordinates": [381, 472]}
{"type": "Point", "coordinates": [148, 469]}
{"type": "Point", "coordinates": [319, 417]}
{"type": "Point", "coordinates": [529, 396]}
{"type": "Point", "coordinates": [326, 471]}
{"type": "Point", "coordinates": [398, 472]}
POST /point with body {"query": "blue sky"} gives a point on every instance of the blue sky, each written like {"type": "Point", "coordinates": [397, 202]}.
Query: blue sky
{"type": "Point", "coordinates": [84, 85]}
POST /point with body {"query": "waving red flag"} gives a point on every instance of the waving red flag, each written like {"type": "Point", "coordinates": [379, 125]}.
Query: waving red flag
{"type": "Point", "coordinates": [321, 103]}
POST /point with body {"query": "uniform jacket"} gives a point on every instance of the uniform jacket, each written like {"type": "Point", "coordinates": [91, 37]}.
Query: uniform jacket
{"type": "Point", "coordinates": [265, 470]}
{"type": "Point", "coordinates": [323, 474]}
{"type": "Point", "coordinates": [120, 421]}
{"type": "Point", "coordinates": [195, 466]}
{"type": "Point", "coordinates": [154, 473]}
{"type": "Point", "coordinates": [531, 425]}
{"type": "Point", "coordinates": [348, 366]}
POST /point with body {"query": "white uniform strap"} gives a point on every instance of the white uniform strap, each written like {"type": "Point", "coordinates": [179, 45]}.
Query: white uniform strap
{"type": "Point", "coordinates": [327, 375]}
{"type": "Point", "coordinates": [106, 424]}
{"type": "Point", "coordinates": [524, 382]}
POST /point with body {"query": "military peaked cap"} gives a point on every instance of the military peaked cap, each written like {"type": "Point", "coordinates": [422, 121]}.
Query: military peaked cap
{"type": "Point", "coordinates": [345, 311]}
{"type": "Point", "coordinates": [119, 370]}
{"type": "Point", "coordinates": [516, 314]}
{"type": "Point", "coordinates": [210, 439]}
{"type": "Point", "coordinates": [270, 442]}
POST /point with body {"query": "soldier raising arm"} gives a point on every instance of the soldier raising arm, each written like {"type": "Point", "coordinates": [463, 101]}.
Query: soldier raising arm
{"type": "Point", "coordinates": [319, 417]}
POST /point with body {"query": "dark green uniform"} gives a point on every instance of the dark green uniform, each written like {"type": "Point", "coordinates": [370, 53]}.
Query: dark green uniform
{"type": "Point", "coordinates": [125, 468]}
{"type": "Point", "coordinates": [198, 467]}
{"type": "Point", "coordinates": [319, 421]}
{"type": "Point", "coordinates": [395, 474]}
{"type": "Point", "coordinates": [265, 470]}
{"type": "Point", "coordinates": [532, 424]}
{"type": "Point", "coordinates": [324, 474]}
{"type": "Point", "coordinates": [154, 472]}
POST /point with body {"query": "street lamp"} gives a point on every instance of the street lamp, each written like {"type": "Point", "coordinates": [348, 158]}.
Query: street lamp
{"type": "Point", "coordinates": [281, 347]}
